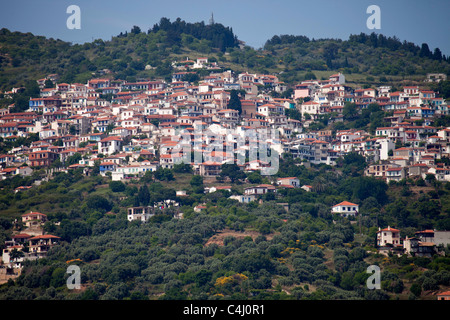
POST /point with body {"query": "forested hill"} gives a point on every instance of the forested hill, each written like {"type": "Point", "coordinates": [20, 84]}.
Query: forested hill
{"type": "Point", "coordinates": [372, 58]}
{"type": "Point", "coordinates": [381, 58]}
{"type": "Point", "coordinates": [220, 37]}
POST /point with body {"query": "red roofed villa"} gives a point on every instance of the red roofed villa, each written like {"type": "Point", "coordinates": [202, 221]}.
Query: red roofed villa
{"type": "Point", "coordinates": [345, 209]}
{"type": "Point", "coordinates": [33, 219]}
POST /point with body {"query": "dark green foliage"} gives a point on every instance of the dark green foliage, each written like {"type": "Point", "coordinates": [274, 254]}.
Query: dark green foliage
{"type": "Point", "coordinates": [286, 39]}
{"type": "Point", "coordinates": [143, 196]}
{"type": "Point", "coordinates": [235, 101]}
{"type": "Point", "coordinates": [443, 87]}
{"type": "Point", "coordinates": [197, 184]}
{"type": "Point", "coordinates": [70, 230]}
{"type": "Point", "coordinates": [99, 203]}
{"type": "Point", "coordinates": [254, 177]}
{"type": "Point", "coordinates": [163, 174]}
{"type": "Point", "coordinates": [123, 260]}
{"type": "Point", "coordinates": [293, 114]}
{"type": "Point", "coordinates": [232, 171]}
{"type": "Point", "coordinates": [196, 181]}
{"type": "Point", "coordinates": [353, 164]}
{"type": "Point", "coordinates": [117, 186]}
{"type": "Point", "coordinates": [219, 36]}
{"type": "Point", "coordinates": [182, 168]}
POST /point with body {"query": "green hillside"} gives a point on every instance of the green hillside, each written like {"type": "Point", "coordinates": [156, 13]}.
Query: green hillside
{"type": "Point", "coordinates": [373, 59]}
{"type": "Point", "coordinates": [28, 57]}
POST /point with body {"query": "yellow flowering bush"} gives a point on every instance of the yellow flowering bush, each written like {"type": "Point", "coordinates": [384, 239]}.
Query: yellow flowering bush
{"type": "Point", "coordinates": [240, 276]}
{"type": "Point", "coordinates": [222, 281]}
{"type": "Point", "coordinates": [289, 251]}
{"type": "Point", "coordinates": [282, 260]}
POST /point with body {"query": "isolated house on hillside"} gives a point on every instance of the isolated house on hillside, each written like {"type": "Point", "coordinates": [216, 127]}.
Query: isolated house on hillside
{"type": "Point", "coordinates": [345, 209]}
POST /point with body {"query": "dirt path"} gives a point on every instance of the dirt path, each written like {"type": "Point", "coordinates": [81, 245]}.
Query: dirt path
{"type": "Point", "coordinates": [221, 235]}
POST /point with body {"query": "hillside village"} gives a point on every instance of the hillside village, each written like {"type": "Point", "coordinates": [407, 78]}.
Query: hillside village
{"type": "Point", "coordinates": [129, 128]}
{"type": "Point", "coordinates": [142, 126]}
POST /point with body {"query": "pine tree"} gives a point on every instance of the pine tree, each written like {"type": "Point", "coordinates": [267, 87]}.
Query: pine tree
{"type": "Point", "coordinates": [425, 51]}
{"type": "Point", "coordinates": [144, 195]}
{"type": "Point", "coordinates": [437, 55]}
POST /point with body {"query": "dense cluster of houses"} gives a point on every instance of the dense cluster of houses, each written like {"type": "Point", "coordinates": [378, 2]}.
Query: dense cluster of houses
{"type": "Point", "coordinates": [147, 124]}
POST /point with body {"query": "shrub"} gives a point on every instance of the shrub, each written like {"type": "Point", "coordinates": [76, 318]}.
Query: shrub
{"type": "Point", "coordinates": [117, 186]}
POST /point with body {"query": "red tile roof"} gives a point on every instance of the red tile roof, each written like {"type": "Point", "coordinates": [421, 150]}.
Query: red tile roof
{"type": "Point", "coordinates": [345, 203]}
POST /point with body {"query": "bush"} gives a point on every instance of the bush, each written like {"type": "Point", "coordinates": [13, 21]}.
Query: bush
{"type": "Point", "coordinates": [117, 186]}
{"type": "Point", "coordinates": [99, 203]}
{"type": "Point", "coordinates": [416, 289]}
{"type": "Point", "coordinates": [430, 284]}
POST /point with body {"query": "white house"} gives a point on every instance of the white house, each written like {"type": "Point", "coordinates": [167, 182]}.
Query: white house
{"type": "Point", "coordinates": [388, 236]}
{"type": "Point", "coordinates": [139, 169]}
{"type": "Point", "coordinates": [311, 107]}
{"type": "Point", "coordinates": [201, 63]}
{"type": "Point", "coordinates": [345, 209]}
{"type": "Point", "coordinates": [244, 198]}
{"type": "Point", "coordinates": [217, 188]}
{"type": "Point", "coordinates": [6, 258]}
{"type": "Point", "coordinates": [385, 145]}
{"type": "Point", "coordinates": [444, 134]}
{"type": "Point", "coordinates": [260, 189]}
{"type": "Point", "coordinates": [395, 174]}
{"type": "Point", "coordinates": [109, 145]}
{"type": "Point", "coordinates": [289, 181]}
{"type": "Point", "coordinates": [140, 213]}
